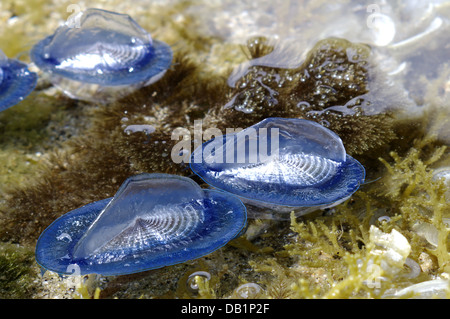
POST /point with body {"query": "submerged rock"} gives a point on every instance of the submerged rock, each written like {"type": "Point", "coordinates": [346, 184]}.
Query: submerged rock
{"type": "Point", "coordinates": [336, 85]}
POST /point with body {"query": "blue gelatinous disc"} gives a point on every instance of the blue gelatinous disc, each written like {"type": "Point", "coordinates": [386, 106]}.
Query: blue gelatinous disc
{"type": "Point", "coordinates": [154, 220]}
{"type": "Point", "coordinates": [104, 48]}
{"type": "Point", "coordinates": [16, 81]}
{"type": "Point", "coordinates": [280, 163]}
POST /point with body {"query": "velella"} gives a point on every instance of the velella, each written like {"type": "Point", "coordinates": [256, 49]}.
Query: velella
{"type": "Point", "coordinates": [100, 56]}
{"type": "Point", "coordinates": [16, 81]}
{"type": "Point", "coordinates": [280, 165]}
{"type": "Point", "coordinates": [154, 220]}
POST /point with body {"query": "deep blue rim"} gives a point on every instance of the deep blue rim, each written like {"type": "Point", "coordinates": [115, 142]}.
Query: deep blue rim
{"type": "Point", "coordinates": [350, 166]}
{"type": "Point", "coordinates": [44, 246]}
{"type": "Point", "coordinates": [18, 82]}
{"type": "Point", "coordinates": [159, 63]}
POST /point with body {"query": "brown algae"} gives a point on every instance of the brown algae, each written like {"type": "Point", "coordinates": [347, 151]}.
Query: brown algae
{"type": "Point", "coordinates": [331, 254]}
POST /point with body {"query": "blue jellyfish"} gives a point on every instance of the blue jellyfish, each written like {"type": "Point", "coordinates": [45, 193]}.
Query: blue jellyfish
{"type": "Point", "coordinates": [101, 55]}
{"type": "Point", "coordinates": [154, 220]}
{"type": "Point", "coordinates": [282, 165]}
{"type": "Point", "coordinates": [16, 81]}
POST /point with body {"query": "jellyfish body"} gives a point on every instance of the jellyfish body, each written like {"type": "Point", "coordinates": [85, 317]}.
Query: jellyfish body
{"type": "Point", "coordinates": [280, 164]}
{"type": "Point", "coordinates": [16, 81]}
{"type": "Point", "coordinates": [154, 220]}
{"type": "Point", "coordinates": [101, 55]}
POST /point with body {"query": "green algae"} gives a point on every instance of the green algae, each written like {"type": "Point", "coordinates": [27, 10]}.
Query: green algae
{"type": "Point", "coordinates": [420, 197]}
{"type": "Point", "coordinates": [25, 124]}
{"type": "Point", "coordinates": [337, 255]}
{"type": "Point", "coordinates": [16, 167]}
{"type": "Point", "coordinates": [17, 277]}
{"type": "Point", "coordinates": [334, 254]}
{"type": "Point", "coordinates": [27, 131]}
{"type": "Point", "coordinates": [16, 35]}
{"type": "Point", "coordinates": [327, 255]}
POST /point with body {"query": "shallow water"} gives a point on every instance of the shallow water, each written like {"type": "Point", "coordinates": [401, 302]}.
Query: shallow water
{"type": "Point", "coordinates": [410, 46]}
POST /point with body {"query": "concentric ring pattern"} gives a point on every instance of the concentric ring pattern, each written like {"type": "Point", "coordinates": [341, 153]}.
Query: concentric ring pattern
{"type": "Point", "coordinates": [287, 169]}
{"type": "Point", "coordinates": [280, 162]}
{"type": "Point", "coordinates": [154, 220]}
{"type": "Point", "coordinates": [165, 225]}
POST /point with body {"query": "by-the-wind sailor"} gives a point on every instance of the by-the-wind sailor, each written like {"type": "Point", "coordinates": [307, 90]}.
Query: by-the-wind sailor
{"type": "Point", "coordinates": [281, 164]}
{"type": "Point", "coordinates": [16, 81]}
{"type": "Point", "coordinates": [101, 55]}
{"type": "Point", "coordinates": [154, 220]}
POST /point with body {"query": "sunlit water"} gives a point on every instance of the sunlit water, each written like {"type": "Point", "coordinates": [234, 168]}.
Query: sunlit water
{"type": "Point", "coordinates": [409, 39]}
